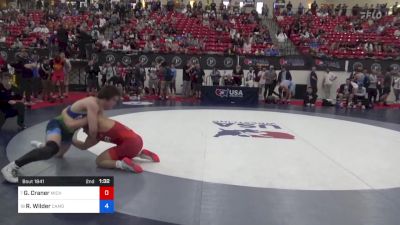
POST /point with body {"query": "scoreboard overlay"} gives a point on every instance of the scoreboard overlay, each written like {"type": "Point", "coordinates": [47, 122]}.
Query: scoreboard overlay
{"type": "Point", "coordinates": [66, 194]}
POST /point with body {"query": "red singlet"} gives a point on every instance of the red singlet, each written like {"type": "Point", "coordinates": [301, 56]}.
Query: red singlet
{"type": "Point", "coordinates": [129, 144]}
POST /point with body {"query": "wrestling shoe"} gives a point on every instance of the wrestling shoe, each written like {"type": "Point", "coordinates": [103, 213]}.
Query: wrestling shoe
{"type": "Point", "coordinates": [10, 172]}
{"type": "Point", "coordinates": [146, 154]}
{"type": "Point", "coordinates": [128, 164]}
{"type": "Point", "coordinates": [37, 144]}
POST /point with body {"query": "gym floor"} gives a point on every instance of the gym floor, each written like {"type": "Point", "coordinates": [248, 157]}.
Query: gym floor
{"type": "Point", "coordinates": [274, 164]}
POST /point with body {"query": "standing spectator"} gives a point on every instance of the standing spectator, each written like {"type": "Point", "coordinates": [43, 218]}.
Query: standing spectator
{"type": "Point", "coordinates": [396, 87]}
{"type": "Point", "coordinates": [289, 7]}
{"type": "Point", "coordinates": [199, 77]}
{"type": "Point", "coordinates": [187, 79]}
{"type": "Point", "coordinates": [10, 104]}
{"type": "Point", "coordinates": [249, 79]}
{"type": "Point", "coordinates": [213, 6]}
{"type": "Point", "coordinates": [270, 81]}
{"type": "Point", "coordinates": [153, 80]}
{"type": "Point", "coordinates": [62, 38]}
{"type": "Point", "coordinates": [387, 83]}
{"type": "Point", "coordinates": [238, 75]}
{"type": "Point", "coordinates": [260, 80]}
{"type": "Point", "coordinates": [45, 75]}
{"type": "Point", "coordinates": [39, 4]}
{"type": "Point", "coordinates": [327, 83]}
{"type": "Point", "coordinates": [265, 11]}
{"type": "Point", "coordinates": [23, 71]}
{"type": "Point", "coordinates": [314, 7]}
{"type": "Point", "coordinates": [300, 9]}
{"type": "Point", "coordinates": [310, 98]}
{"type": "Point", "coordinates": [372, 87]}
{"type": "Point", "coordinates": [172, 86]}
{"type": "Point", "coordinates": [107, 71]}
{"type": "Point", "coordinates": [165, 75]}
{"type": "Point", "coordinates": [92, 73]}
{"type": "Point", "coordinates": [215, 77]}
{"type": "Point", "coordinates": [84, 43]}
{"type": "Point", "coordinates": [67, 69]}
{"type": "Point", "coordinates": [314, 80]}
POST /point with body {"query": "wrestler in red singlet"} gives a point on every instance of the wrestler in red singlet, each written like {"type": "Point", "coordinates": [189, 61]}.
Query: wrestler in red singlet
{"type": "Point", "coordinates": [128, 143]}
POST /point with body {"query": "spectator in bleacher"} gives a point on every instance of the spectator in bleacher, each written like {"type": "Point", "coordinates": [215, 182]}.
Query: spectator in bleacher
{"type": "Point", "coordinates": [300, 9]}
{"type": "Point", "coordinates": [355, 11]}
{"type": "Point", "coordinates": [327, 83]}
{"type": "Point", "coordinates": [39, 4]}
{"type": "Point", "coordinates": [313, 80]}
{"type": "Point", "coordinates": [344, 10]}
{"type": "Point", "coordinates": [247, 47]}
{"type": "Point", "coordinates": [265, 11]}
{"type": "Point", "coordinates": [17, 43]}
{"type": "Point", "coordinates": [213, 6]}
{"type": "Point", "coordinates": [289, 7]}
{"type": "Point", "coordinates": [314, 7]}
{"type": "Point", "coordinates": [170, 5]}
{"type": "Point", "coordinates": [310, 97]}
{"type": "Point", "coordinates": [281, 36]}
{"type": "Point", "coordinates": [215, 77]}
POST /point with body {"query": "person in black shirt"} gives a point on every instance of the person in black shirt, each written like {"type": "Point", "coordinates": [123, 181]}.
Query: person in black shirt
{"type": "Point", "coordinates": [387, 83]}
{"type": "Point", "coordinates": [187, 79]}
{"type": "Point", "coordinates": [310, 98]}
{"type": "Point", "coordinates": [238, 75]}
{"type": "Point", "coordinates": [92, 72]}
{"type": "Point", "coordinates": [345, 94]}
{"type": "Point", "coordinates": [45, 75]}
{"type": "Point", "coordinates": [62, 37]}
{"type": "Point", "coordinates": [213, 6]}
{"type": "Point", "coordinates": [199, 76]}
{"type": "Point", "coordinates": [10, 104]}
{"type": "Point", "coordinates": [228, 81]}
{"type": "Point", "coordinates": [314, 80]}
{"type": "Point", "coordinates": [23, 70]}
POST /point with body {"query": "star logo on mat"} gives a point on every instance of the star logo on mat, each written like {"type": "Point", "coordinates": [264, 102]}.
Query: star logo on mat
{"type": "Point", "coordinates": [252, 130]}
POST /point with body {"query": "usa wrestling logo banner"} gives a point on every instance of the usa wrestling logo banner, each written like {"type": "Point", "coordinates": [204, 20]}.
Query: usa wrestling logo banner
{"type": "Point", "coordinates": [251, 129]}
{"type": "Point", "coordinates": [228, 93]}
